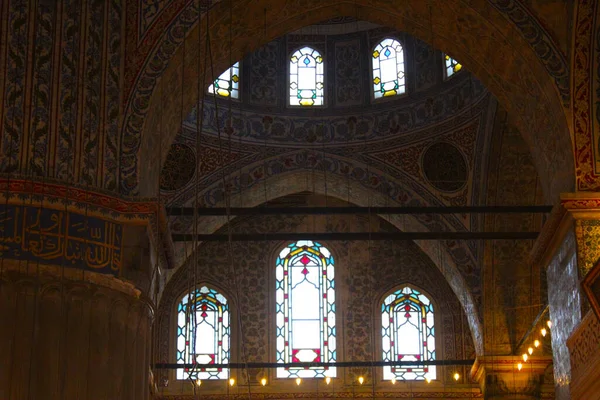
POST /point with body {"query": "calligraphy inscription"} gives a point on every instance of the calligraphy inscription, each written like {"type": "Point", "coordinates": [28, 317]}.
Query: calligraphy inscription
{"type": "Point", "coordinates": [60, 238]}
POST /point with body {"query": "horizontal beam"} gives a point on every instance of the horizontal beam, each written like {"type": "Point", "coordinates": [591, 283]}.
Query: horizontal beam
{"type": "Point", "coordinates": [261, 237]}
{"type": "Point", "coordinates": [212, 211]}
{"type": "Point", "coordinates": [315, 364]}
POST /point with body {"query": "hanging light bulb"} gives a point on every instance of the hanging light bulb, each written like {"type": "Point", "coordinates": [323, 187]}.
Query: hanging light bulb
{"type": "Point", "coordinates": [536, 343]}
{"type": "Point", "coordinates": [298, 381]}
{"type": "Point", "coordinates": [525, 357]}
{"type": "Point", "coordinates": [530, 350]}
{"type": "Point", "coordinates": [231, 381]}
{"type": "Point", "coordinates": [428, 379]}
{"type": "Point", "coordinates": [519, 366]}
{"type": "Point", "coordinates": [263, 381]}
{"type": "Point", "coordinates": [549, 323]}
{"type": "Point", "coordinates": [361, 380]}
{"type": "Point", "coordinates": [456, 376]}
{"type": "Point", "coordinates": [543, 331]}
{"type": "Point", "coordinates": [393, 380]}
{"type": "Point", "coordinates": [198, 382]}
{"type": "Point", "coordinates": [327, 380]}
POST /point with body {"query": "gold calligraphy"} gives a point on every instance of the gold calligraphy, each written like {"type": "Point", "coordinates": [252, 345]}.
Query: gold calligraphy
{"type": "Point", "coordinates": [60, 236]}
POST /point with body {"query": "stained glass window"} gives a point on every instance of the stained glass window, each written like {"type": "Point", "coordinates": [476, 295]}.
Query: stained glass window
{"type": "Point", "coordinates": [408, 334]}
{"type": "Point", "coordinates": [452, 66]}
{"type": "Point", "coordinates": [305, 309]}
{"type": "Point", "coordinates": [228, 83]}
{"type": "Point", "coordinates": [388, 69]}
{"type": "Point", "coordinates": [306, 78]}
{"type": "Point", "coordinates": [203, 334]}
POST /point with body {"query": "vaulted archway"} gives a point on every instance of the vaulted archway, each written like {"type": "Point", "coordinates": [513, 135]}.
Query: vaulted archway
{"type": "Point", "coordinates": [486, 42]}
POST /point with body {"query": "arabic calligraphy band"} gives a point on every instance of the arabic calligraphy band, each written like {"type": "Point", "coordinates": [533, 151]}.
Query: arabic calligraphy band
{"type": "Point", "coordinates": [61, 237]}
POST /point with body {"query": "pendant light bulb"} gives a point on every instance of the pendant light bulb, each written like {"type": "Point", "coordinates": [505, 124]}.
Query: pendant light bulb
{"type": "Point", "coordinates": [549, 323]}
{"type": "Point", "coordinates": [428, 379]}
{"type": "Point", "coordinates": [519, 366]}
{"type": "Point", "coordinates": [361, 380]}
{"type": "Point", "coordinates": [298, 381]}
{"type": "Point", "coordinates": [525, 357]}
{"type": "Point", "coordinates": [231, 381]}
{"type": "Point", "coordinates": [456, 376]}
{"type": "Point", "coordinates": [263, 381]}
{"type": "Point", "coordinates": [327, 380]}
{"type": "Point", "coordinates": [536, 343]}
{"type": "Point", "coordinates": [393, 380]}
{"type": "Point", "coordinates": [530, 350]}
{"type": "Point", "coordinates": [543, 331]}
{"type": "Point", "coordinates": [198, 382]}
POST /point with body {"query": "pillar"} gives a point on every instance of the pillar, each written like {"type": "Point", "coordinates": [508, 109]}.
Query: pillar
{"type": "Point", "coordinates": [80, 272]}
{"type": "Point", "coordinates": [70, 334]}
{"type": "Point", "coordinates": [570, 247]}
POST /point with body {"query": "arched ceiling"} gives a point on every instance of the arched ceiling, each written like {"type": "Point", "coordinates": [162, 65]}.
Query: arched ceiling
{"type": "Point", "coordinates": [490, 46]}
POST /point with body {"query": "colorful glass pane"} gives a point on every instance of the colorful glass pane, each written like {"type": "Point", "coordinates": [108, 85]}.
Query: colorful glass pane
{"type": "Point", "coordinates": [203, 333]}
{"type": "Point", "coordinates": [305, 309]}
{"type": "Point", "coordinates": [452, 66]}
{"type": "Point", "coordinates": [306, 78]}
{"type": "Point", "coordinates": [408, 334]}
{"type": "Point", "coordinates": [228, 83]}
{"type": "Point", "coordinates": [388, 69]}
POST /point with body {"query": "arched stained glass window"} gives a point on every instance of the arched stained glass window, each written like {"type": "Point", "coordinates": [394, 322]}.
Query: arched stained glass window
{"type": "Point", "coordinates": [305, 309]}
{"type": "Point", "coordinates": [203, 334]}
{"type": "Point", "coordinates": [388, 69]}
{"type": "Point", "coordinates": [228, 83]}
{"type": "Point", "coordinates": [306, 78]}
{"type": "Point", "coordinates": [452, 66]}
{"type": "Point", "coordinates": [408, 334]}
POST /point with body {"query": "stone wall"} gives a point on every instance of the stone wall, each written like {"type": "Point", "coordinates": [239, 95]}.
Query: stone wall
{"type": "Point", "coordinates": [513, 286]}
{"type": "Point", "coordinates": [363, 275]}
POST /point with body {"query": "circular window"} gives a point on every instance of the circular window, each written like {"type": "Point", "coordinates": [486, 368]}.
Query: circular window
{"type": "Point", "coordinates": [445, 167]}
{"type": "Point", "coordinates": [179, 167]}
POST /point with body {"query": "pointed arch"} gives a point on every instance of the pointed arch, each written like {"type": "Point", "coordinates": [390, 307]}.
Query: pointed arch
{"type": "Point", "coordinates": [408, 333]}
{"type": "Point", "coordinates": [203, 333]}
{"type": "Point", "coordinates": [305, 309]}
{"type": "Point", "coordinates": [388, 69]}
{"type": "Point", "coordinates": [228, 83]}
{"type": "Point", "coordinates": [307, 82]}
{"type": "Point", "coordinates": [451, 66]}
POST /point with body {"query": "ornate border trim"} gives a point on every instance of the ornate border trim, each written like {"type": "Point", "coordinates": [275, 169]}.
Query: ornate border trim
{"type": "Point", "coordinates": [450, 394]}
{"type": "Point", "coordinates": [583, 135]}
{"type": "Point", "coordinates": [541, 43]}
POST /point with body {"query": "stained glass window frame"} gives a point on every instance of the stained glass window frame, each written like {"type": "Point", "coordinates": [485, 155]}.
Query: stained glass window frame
{"type": "Point", "coordinates": [418, 301]}
{"type": "Point", "coordinates": [379, 90]}
{"type": "Point", "coordinates": [295, 59]}
{"type": "Point", "coordinates": [288, 259]}
{"type": "Point", "coordinates": [451, 66]}
{"type": "Point", "coordinates": [231, 76]}
{"type": "Point", "coordinates": [216, 302]}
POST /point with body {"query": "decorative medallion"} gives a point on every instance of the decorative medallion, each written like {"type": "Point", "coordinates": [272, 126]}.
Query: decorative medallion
{"type": "Point", "coordinates": [445, 167]}
{"type": "Point", "coordinates": [179, 167]}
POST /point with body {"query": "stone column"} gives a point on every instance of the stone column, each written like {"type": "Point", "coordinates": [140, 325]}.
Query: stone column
{"type": "Point", "coordinates": [499, 377]}
{"type": "Point", "coordinates": [71, 334]}
{"type": "Point", "coordinates": [568, 248]}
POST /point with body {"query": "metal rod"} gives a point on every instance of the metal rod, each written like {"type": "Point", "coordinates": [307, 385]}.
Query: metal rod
{"type": "Point", "coordinates": [207, 211]}
{"type": "Point", "coordinates": [261, 237]}
{"type": "Point", "coordinates": [315, 364]}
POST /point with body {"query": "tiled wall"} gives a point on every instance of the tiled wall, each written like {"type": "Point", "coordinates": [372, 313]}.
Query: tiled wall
{"type": "Point", "coordinates": [564, 296]}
